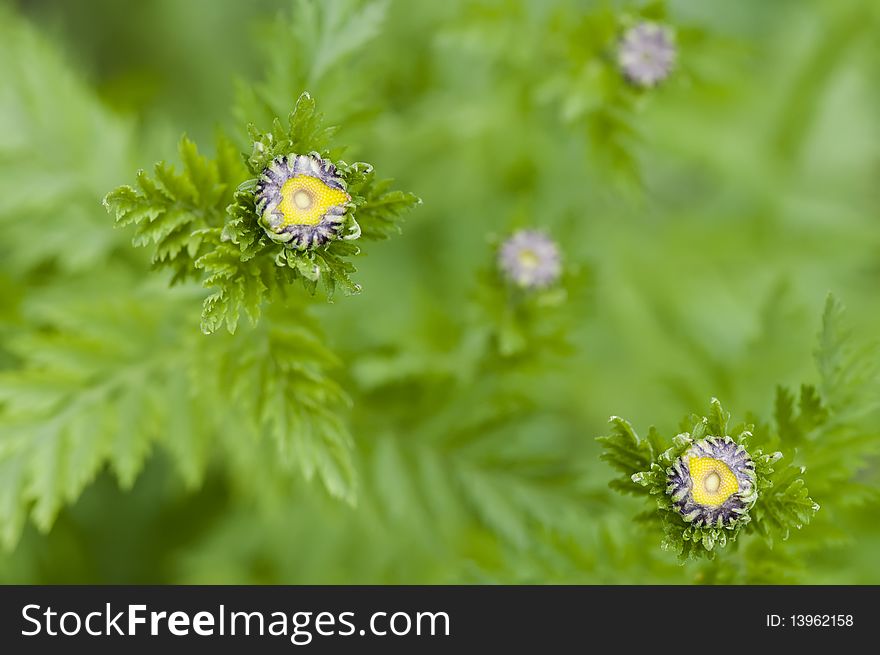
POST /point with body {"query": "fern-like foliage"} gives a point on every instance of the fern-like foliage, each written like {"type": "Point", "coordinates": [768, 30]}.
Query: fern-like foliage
{"type": "Point", "coordinates": [202, 221]}
{"type": "Point", "coordinates": [172, 210]}
{"type": "Point", "coordinates": [278, 377]}
{"type": "Point", "coordinates": [119, 372]}
{"type": "Point", "coordinates": [456, 417]}
{"type": "Point", "coordinates": [97, 386]}
{"type": "Point", "coordinates": [101, 370]}
{"type": "Point", "coordinates": [48, 165]}
{"type": "Point", "coordinates": [330, 40]}
{"type": "Point", "coordinates": [829, 430]}
{"type": "Point", "coordinates": [647, 464]}
{"type": "Point", "coordinates": [834, 425]}
{"type": "Point", "coordinates": [480, 465]}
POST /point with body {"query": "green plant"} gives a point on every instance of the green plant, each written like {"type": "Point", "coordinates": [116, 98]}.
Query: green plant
{"type": "Point", "coordinates": [231, 401]}
{"type": "Point", "coordinates": [115, 371]}
{"type": "Point", "coordinates": [832, 430]}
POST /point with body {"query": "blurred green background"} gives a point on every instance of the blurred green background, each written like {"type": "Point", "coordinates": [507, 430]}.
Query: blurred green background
{"type": "Point", "coordinates": [707, 220]}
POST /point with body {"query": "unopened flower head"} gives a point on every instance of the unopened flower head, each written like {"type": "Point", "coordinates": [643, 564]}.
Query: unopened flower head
{"type": "Point", "coordinates": [302, 201]}
{"type": "Point", "coordinates": [647, 54]}
{"type": "Point", "coordinates": [530, 259]}
{"type": "Point", "coordinates": [713, 483]}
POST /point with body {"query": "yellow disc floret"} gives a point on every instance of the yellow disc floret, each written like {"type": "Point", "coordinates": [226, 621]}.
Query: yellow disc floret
{"type": "Point", "coordinates": [528, 259]}
{"type": "Point", "coordinates": [713, 482]}
{"type": "Point", "coordinates": [305, 200]}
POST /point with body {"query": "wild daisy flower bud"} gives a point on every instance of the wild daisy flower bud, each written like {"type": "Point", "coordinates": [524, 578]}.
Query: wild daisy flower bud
{"type": "Point", "coordinates": [646, 54]}
{"type": "Point", "coordinates": [302, 201]}
{"type": "Point", "coordinates": [713, 483]}
{"type": "Point", "coordinates": [530, 260]}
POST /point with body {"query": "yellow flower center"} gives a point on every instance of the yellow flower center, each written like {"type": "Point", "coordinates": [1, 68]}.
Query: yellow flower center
{"type": "Point", "coordinates": [305, 200]}
{"type": "Point", "coordinates": [528, 259]}
{"type": "Point", "coordinates": [713, 481]}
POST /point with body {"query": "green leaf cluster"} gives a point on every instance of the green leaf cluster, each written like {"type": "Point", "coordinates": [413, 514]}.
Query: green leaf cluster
{"type": "Point", "coordinates": [646, 463]}
{"type": "Point", "coordinates": [829, 430]}
{"type": "Point", "coordinates": [437, 427]}
{"type": "Point", "coordinates": [202, 221]}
